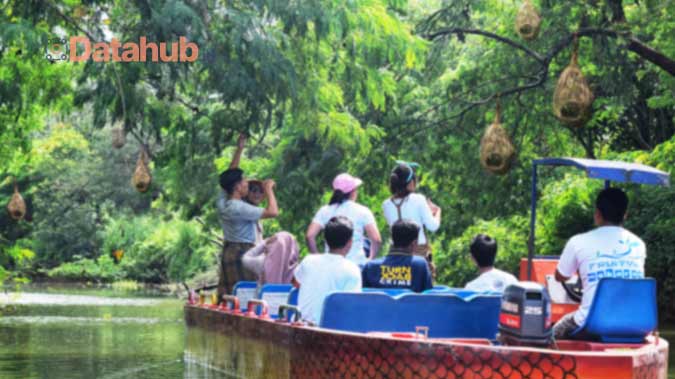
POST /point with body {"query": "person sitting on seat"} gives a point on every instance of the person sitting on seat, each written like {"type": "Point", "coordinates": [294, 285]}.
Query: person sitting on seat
{"type": "Point", "coordinates": [320, 274]}
{"type": "Point", "coordinates": [273, 260]}
{"type": "Point", "coordinates": [608, 251]}
{"type": "Point", "coordinates": [483, 252]}
{"type": "Point", "coordinates": [400, 268]}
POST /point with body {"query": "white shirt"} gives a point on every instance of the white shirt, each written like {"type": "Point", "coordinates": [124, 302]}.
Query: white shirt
{"type": "Point", "coordinates": [414, 207]}
{"type": "Point", "coordinates": [359, 215]}
{"type": "Point", "coordinates": [321, 274]}
{"type": "Point", "coordinates": [493, 280]}
{"type": "Point", "coordinates": [605, 252]}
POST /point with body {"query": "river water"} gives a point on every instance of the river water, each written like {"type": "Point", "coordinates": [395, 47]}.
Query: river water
{"type": "Point", "coordinates": [71, 333]}
{"type": "Point", "coordinates": [80, 333]}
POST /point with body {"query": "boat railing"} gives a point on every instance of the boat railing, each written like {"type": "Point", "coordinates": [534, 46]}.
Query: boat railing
{"type": "Point", "coordinates": [253, 304]}
{"type": "Point", "coordinates": [286, 310]}
{"type": "Point", "coordinates": [231, 304]}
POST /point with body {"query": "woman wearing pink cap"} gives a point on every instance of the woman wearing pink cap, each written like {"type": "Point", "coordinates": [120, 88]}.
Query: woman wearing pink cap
{"type": "Point", "coordinates": [343, 203]}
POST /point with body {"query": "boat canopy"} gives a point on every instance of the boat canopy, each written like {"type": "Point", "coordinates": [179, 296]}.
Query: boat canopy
{"type": "Point", "coordinates": [612, 170]}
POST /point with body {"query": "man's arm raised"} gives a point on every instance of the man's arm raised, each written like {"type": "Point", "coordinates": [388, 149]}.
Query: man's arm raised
{"type": "Point", "coordinates": [236, 158]}
{"type": "Point", "coordinates": [272, 209]}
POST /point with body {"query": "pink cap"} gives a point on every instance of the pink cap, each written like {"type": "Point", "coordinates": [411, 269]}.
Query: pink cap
{"type": "Point", "coordinates": [346, 183]}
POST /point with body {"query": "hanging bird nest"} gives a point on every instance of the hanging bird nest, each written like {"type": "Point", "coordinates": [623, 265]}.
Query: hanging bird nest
{"type": "Point", "coordinates": [16, 206]}
{"type": "Point", "coordinates": [119, 137]}
{"type": "Point", "coordinates": [142, 178]}
{"type": "Point", "coordinates": [496, 150]}
{"type": "Point", "coordinates": [573, 98]}
{"type": "Point", "coordinates": [528, 21]}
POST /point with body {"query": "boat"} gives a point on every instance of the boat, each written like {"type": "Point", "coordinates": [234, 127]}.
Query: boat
{"type": "Point", "coordinates": [444, 333]}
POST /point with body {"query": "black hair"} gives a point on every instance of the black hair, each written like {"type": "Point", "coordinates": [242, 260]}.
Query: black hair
{"type": "Point", "coordinates": [338, 232]}
{"type": "Point", "coordinates": [398, 181]}
{"type": "Point", "coordinates": [252, 185]}
{"type": "Point", "coordinates": [339, 197]}
{"type": "Point", "coordinates": [612, 204]}
{"type": "Point", "coordinates": [229, 179]}
{"type": "Point", "coordinates": [404, 232]}
{"type": "Point", "coordinates": [484, 250]}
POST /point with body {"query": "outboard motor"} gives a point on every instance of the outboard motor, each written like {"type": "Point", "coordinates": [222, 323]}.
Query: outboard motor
{"type": "Point", "coordinates": [525, 316]}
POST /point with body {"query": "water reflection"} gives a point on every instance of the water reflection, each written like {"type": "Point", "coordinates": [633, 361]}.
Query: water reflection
{"type": "Point", "coordinates": [26, 298]}
{"type": "Point", "coordinates": [84, 335]}
{"type": "Point", "coordinates": [236, 356]}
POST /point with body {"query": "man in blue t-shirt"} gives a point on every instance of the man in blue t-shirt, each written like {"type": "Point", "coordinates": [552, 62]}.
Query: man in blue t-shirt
{"type": "Point", "coordinates": [400, 268]}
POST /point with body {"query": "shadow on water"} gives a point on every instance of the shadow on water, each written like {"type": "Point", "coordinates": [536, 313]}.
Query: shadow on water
{"type": "Point", "coordinates": [94, 334]}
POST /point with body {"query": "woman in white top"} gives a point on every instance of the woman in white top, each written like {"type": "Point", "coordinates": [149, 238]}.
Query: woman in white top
{"type": "Point", "coordinates": [343, 203]}
{"type": "Point", "coordinates": [406, 204]}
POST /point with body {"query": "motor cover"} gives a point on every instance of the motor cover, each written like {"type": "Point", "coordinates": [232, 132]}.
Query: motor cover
{"type": "Point", "coordinates": [525, 316]}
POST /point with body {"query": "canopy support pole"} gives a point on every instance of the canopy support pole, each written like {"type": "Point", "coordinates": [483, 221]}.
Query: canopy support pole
{"type": "Point", "coordinates": [533, 218]}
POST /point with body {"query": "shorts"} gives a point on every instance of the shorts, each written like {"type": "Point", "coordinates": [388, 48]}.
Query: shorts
{"type": "Point", "coordinates": [231, 269]}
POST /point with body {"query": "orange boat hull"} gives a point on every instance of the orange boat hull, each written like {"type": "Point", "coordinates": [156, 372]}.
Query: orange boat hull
{"type": "Point", "coordinates": [250, 347]}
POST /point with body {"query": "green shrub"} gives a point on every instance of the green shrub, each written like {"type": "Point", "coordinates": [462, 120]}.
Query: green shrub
{"type": "Point", "coordinates": [455, 267]}
{"type": "Point", "coordinates": [655, 224]}
{"type": "Point", "coordinates": [652, 217]}
{"type": "Point", "coordinates": [565, 209]}
{"type": "Point", "coordinates": [158, 251]}
{"type": "Point", "coordinates": [103, 269]}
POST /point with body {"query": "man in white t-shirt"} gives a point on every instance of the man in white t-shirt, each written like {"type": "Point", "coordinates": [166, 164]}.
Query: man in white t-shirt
{"type": "Point", "coordinates": [483, 251]}
{"type": "Point", "coordinates": [343, 203]}
{"type": "Point", "coordinates": [320, 274]}
{"type": "Point", "coordinates": [609, 251]}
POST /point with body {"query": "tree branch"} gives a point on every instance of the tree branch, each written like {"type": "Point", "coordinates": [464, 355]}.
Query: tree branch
{"type": "Point", "coordinates": [461, 31]}
{"type": "Point", "coordinates": [635, 45]}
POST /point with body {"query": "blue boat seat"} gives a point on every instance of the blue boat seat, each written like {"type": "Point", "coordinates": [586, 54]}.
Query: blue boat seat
{"type": "Point", "coordinates": [446, 315]}
{"type": "Point", "coordinates": [293, 296]}
{"type": "Point", "coordinates": [461, 292]}
{"type": "Point", "coordinates": [292, 299]}
{"type": "Point", "coordinates": [245, 291]}
{"type": "Point", "coordinates": [388, 291]}
{"type": "Point", "coordinates": [274, 295]}
{"type": "Point", "coordinates": [623, 311]}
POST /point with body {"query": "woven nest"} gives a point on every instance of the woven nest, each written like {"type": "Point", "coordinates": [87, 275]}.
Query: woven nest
{"type": "Point", "coordinates": [16, 206]}
{"type": "Point", "coordinates": [573, 98]}
{"type": "Point", "coordinates": [528, 21]}
{"type": "Point", "coordinates": [496, 150]}
{"type": "Point", "coordinates": [119, 138]}
{"type": "Point", "coordinates": [141, 179]}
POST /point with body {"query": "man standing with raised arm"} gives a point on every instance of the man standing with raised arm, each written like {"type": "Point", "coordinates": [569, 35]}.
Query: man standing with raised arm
{"type": "Point", "coordinates": [239, 219]}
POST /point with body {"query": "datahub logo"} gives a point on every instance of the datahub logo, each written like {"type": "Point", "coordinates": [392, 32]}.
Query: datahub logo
{"type": "Point", "coordinates": [80, 49]}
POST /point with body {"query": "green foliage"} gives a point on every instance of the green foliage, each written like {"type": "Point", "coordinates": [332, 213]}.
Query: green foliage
{"type": "Point", "coordinates": [651, 218]}
{"type": "Point", "coordinates": [654, 223]}
{"type": "Point", "coordinates": [77, 181]}
{"type": "Point", "coordinates": [566, 209]}
{"type": "Point", "coordinates": [322, 87]}
{"type": "Point", "coordinates": [158, 252]}
{"type": "Point", "coordinates": [102, 269]}
{"type": "Point", "coordinates": [454, 264]}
